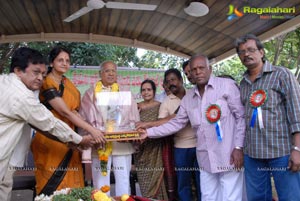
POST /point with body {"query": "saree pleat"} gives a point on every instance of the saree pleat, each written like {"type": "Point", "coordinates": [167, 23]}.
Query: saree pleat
{"type": "Point", "coordinates": [148, 162]}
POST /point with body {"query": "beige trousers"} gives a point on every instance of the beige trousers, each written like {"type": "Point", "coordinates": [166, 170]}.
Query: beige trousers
{"type": "Point", "coordinates": [6, 185]}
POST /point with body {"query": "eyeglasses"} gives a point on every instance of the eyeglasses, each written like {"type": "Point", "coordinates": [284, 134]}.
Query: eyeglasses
{"type": "Point", "coordinates": [37, 73]}
{"type": "Point", "coordinates": [250, 50]}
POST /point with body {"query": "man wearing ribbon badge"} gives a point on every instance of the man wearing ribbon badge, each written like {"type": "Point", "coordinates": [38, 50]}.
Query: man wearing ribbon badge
{"type": "Point", "coordinates": [101, 109]}
{"type": "Point", "coordinates": [271, 95]}
{"type": "Point", "coordinates": [216, 114]}
{"type": "Point", "coordinates": [184, 141]}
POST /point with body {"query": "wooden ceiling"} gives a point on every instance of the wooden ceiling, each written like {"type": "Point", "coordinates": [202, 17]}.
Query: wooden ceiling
{"type": "Point", "coordinates": [168, 29]}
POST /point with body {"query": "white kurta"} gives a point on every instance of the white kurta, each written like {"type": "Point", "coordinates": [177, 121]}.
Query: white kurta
{"type": "Point", "coordinates": [18, 107]}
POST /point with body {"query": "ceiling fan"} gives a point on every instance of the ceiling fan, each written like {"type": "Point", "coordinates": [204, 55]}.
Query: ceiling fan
{"type": "Point", "coordinates": [97, 4]}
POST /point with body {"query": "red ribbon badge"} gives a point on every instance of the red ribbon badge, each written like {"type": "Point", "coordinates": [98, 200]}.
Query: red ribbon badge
{"type": "Point", "coordinates": [213, 113]}
{"type": "Point", "coordinates": [258, 98]}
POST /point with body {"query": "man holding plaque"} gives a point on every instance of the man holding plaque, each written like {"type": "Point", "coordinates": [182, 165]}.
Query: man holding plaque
{"type": "Point", "coordinates": [20, 107]}
{"type": "Point", "coordinates": [271, 96]}
{"type": "Point", "coordinates": [216, 114]}
{"type": "Point", "coordinates": [108, 108]}
{"type": "Point", "coordinates": [183, 142]}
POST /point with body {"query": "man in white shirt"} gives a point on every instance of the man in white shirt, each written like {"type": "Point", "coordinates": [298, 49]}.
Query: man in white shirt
{"type": "Point", "coordinates": [20, 106]}
{"type": "Point", "coordinates": [110, 117]}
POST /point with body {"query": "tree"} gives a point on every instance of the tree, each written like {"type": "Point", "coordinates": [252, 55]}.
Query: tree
{"type": "Point", "coordinates": [284, 51]}
{"type": "Point", "coordinates": [6, 50]}
{"type": "Point", "coordinates": [93, 54]}
{"type": "Point", "coordinates": [158, 60]}
{"type": "Point", "coordinates": [83, 54]}
{"type": "Point", "coordinates": [232, 67]}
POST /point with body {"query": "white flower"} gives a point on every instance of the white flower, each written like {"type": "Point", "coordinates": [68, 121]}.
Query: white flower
{"type": "Point", "coordinates": [43, 197]}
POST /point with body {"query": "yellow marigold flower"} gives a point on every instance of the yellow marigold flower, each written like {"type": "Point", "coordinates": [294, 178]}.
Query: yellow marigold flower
{"type": "Point", "coordinates": [100, 196]}
{"type": "Point", "coordinates": [104, 153]}
{"type": "Point", "coordinates": [103, 157]}
{"type": "Point", "coordinates": [115, 87]}
{"type": "Point", "coordinates": [105, 188]}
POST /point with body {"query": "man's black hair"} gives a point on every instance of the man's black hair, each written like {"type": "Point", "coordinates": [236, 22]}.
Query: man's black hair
{"type": "Point", "coordinates": [185, 63]}
{"type": "Point", "coordinates": [245, 38]}
{"type": "Point", "coordinates": [23, 56]}
{"type": "Point", "coordinates": [175, 71]}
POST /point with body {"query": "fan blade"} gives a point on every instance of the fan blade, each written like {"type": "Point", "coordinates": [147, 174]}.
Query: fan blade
{"type": "Point", "coordinates": [77, 14]}
{"type": "Point", "coordinates": [130, 6]}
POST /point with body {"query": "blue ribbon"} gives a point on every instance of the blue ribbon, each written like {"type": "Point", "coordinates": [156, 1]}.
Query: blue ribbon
{"type": "Point", "coordinates": [253, 118]}
{"type": "Point", "coordinates": [219, 137]}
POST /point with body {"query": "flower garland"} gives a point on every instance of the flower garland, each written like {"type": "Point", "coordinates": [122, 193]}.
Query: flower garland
{"type": "Point", "coordinates": [106, 151]}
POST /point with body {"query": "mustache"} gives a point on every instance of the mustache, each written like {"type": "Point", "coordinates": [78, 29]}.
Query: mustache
{"type": "Point", "coordinates": [172, 86]}
{"type": "Point", "coordinates": [247, 58]}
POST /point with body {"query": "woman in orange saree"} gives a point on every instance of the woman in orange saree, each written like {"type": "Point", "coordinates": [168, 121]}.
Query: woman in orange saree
{"type": "Point", "coordinates": [57, 165]}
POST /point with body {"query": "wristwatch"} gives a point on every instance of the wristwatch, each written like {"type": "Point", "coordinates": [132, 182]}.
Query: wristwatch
{"type": "Point", "coordinates": [237, 147]}
{"type": "Point", "coordinates": [296, 148]}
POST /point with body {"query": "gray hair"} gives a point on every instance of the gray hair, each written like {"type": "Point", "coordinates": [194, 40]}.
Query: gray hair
{"type": "Point", "coordinates": [108, 61]}
{"type": "Point", "coordinates": [200, 56]}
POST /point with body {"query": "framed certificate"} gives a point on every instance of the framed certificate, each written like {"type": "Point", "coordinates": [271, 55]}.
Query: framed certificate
{"type": "Point", "coordinates": [118, 125]}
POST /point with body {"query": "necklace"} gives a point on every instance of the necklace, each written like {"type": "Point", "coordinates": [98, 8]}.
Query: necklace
{"type": "Point", "coordinates": [61, 82]}
{"type": "Point", "coordinates": [147, 104]}
{"type": "Point", "coordinates": [57, 80]}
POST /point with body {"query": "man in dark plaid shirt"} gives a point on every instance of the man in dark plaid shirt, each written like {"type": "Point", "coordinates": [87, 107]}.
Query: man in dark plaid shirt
{"type": "Point", "coordinates": [271, 96]}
